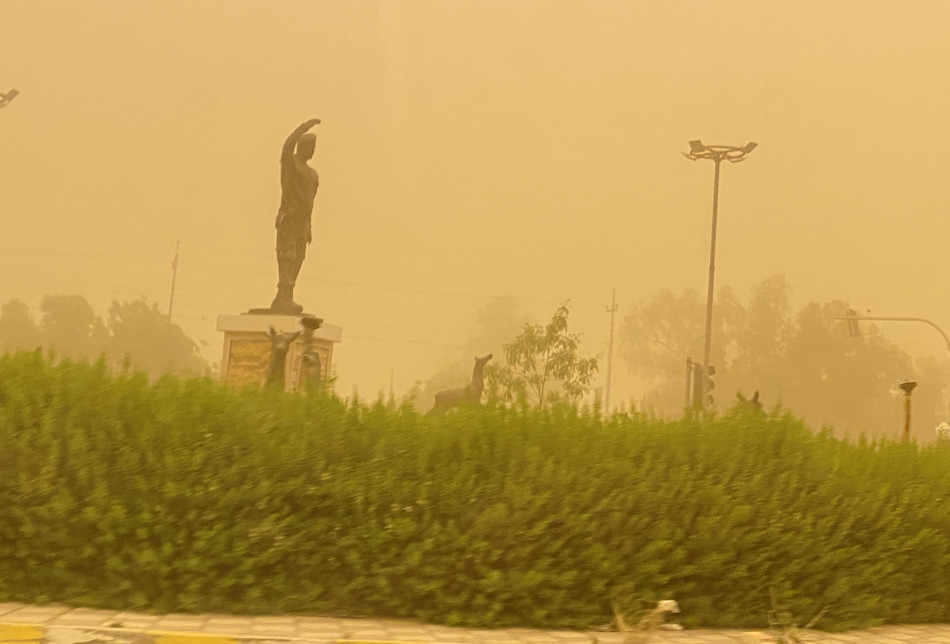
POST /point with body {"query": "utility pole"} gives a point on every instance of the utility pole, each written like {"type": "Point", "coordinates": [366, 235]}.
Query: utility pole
{"type": "Point", "coordinates": [171, 298]}
{"type": "Point", "coordinates": [610, 349]}
{"type": "Point", "coordinates": [688, 400]}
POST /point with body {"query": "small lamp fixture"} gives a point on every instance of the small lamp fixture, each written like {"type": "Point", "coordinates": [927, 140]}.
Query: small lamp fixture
{"type": "Point", "coordinates": [9, 96]}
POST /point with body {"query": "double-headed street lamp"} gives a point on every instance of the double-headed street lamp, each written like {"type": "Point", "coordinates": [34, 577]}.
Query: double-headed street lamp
{"type": "Point", "coordinates": [715, 153]}
{"type": "Point", "coordinates": [9, 96]}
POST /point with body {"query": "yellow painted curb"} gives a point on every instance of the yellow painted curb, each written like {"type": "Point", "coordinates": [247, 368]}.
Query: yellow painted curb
{"type": "Point", "coordinates": [169, 637]}
{"type": "Point", "coordinates": [26, 634]}
{"type": "Point", "coordinates": [351, 641]}
{"type": "Point", "coordinates": [379, 642]}
{"type": "Point", "coordinates": [19, 633]}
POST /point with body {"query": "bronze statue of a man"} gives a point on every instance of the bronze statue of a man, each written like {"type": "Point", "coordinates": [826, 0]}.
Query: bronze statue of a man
{"type": "Point", "coordinates": [298, 184]}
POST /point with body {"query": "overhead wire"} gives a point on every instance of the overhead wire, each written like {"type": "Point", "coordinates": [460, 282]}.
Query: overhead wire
{"type": "Point", "coordinates": [195, 288]}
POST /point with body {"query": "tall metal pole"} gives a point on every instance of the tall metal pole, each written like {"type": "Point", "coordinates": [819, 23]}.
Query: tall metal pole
{"type": "Point", "coordinates": [171, 297]}
{"type": "Point", "coordinates": [716, 153]}
{"type": "Point", "coordinates": [610, 349]}
{"type": "Point", "coordinates": [712, 276]}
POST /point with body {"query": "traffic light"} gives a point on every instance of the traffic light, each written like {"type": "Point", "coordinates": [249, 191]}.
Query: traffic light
{"type": "Point", "coordinates": [702, 384]}
{"type": "Point", "coordinates": [697, 386]}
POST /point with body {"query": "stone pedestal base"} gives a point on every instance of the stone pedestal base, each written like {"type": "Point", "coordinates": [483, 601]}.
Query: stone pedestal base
{"type": "Point", "coordinates": [247, 348]}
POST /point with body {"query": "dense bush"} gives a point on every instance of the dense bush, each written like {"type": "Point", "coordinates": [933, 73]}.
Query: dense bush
{"type": "Point", "coordinates": [186, 496]}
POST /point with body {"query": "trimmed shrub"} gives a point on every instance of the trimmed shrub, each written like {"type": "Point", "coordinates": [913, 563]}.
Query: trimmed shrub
{"type": "Point", "coordinates": [186, 496]}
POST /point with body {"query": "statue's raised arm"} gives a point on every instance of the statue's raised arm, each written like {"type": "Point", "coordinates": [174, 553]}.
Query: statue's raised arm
{"type": "Point", "coordinates": [291, 143]}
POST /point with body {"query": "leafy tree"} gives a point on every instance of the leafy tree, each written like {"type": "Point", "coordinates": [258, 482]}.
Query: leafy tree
{"type": "Point", "coordinates": [843, 381]}
{"type": "Point", "coordinates": [143, 334]}
{"type": "Point", "coordinates": [136, 332]}
{"type": "Point", "coordinates": [929, 406]}
{"type": "Point", "coordinates": [17, 328]}
{"type": "Point", "coordinates": [762, 340]}
{"type": "Point", "coordinates": [807, 362]}
{"type": "Point", "coordinates": [658, 335]}
{"type": "Point", "coordinates": [542, 363]}
{"type": "Point", "coordinates": [71, 327]}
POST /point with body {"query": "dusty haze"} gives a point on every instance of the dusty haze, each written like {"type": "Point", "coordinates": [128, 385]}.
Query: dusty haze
{"type": "Point", "coordinates": [471, 150]}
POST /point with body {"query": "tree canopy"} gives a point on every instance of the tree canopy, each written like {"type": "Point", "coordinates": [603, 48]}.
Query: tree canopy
{"type": "Point", "coordinates": [806, 360]}
{"type": "Point", "coordinates": [136, 332]}
{"type": "Point", "coordinates": [542, 363]}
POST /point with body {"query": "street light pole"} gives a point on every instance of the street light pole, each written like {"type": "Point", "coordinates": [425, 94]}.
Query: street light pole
{"type": "Point", "coordinates": [715, 153]}
{"type": "Point", "coordinates": [707, 342]}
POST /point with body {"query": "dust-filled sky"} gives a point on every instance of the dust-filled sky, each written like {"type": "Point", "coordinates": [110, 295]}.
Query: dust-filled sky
{"type": "Point", "coordinates": [472, 149]}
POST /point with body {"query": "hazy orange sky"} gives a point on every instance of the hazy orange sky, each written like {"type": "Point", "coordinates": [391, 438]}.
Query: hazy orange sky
{"type": "Point", "coordinates": [471, 149]}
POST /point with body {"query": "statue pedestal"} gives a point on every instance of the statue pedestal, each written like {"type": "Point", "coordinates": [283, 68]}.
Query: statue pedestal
{"type": "Point", "coordinates": [247, 348]}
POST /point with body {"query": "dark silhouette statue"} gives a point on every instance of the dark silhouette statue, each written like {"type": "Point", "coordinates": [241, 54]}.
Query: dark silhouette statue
{"type": "Point", "coordinates": [298, 184]}
{"type": "Point", "coordinates": [311, 367]}
{"type": "Point", "coordinates": [279, 346]}
{"type": "Point", "coordinates": [445, 400]}
{"type": "Point", "coordinates": [752, 404]}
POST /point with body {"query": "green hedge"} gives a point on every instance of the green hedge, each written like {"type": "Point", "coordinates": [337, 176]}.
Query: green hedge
{"type": "Point", "coordinates": [186, 496]}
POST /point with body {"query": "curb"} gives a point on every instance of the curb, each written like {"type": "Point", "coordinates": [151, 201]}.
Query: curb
{"type": "Point", "coordinates": [19, 633]}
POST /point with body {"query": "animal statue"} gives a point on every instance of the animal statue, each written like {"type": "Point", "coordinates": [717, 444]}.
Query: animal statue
{"type": "Point", "coordinates": [445, 400]}
{"type": "Point", "coordinates": [752, 404]}
{"type": "Point", "coordinates": [279, 346]}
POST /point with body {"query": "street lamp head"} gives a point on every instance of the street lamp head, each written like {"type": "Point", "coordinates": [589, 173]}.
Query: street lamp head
{"type": "Point", "coordinates": [9, 96]}
{"type": "Point", "coordinates": [696, 147]}
{"type": "Point", "coordinates": [751, 145]}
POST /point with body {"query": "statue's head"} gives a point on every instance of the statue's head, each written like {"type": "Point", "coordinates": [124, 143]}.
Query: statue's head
{"type": "Point", "coordinates": [306, 144]}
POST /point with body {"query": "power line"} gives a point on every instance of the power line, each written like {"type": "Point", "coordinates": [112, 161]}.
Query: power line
{"type": "Point", "coordinates": [404, 341]}
{"type": "Point", "coordinates": [242, 267]}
